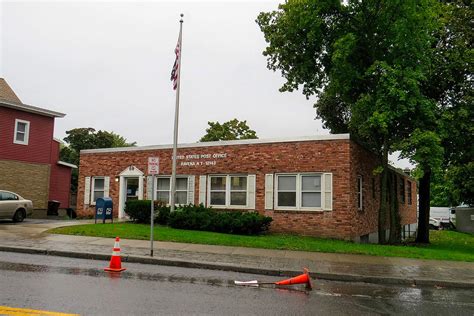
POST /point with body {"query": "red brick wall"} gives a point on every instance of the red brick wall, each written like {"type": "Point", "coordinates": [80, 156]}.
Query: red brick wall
{"type": "Point", "coordinates": [39, 145]}
{"type": "Point", "coordinates": [333, 156]}
{"type": "Point", "coordinates": [366, 220]}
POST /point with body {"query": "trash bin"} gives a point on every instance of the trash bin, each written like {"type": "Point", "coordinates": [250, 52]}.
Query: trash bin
{"type": "Point", "coordinates": [53, 207]}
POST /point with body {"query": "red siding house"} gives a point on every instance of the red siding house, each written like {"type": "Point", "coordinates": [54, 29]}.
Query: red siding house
{"type": "Point", "coordinates": [29, 154]}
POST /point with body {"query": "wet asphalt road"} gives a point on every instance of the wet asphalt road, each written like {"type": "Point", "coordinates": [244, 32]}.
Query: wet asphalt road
{"type": "Point", "coordinates": [80, 286]}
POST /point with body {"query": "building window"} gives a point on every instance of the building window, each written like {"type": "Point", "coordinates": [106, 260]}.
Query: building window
{"type": "Point", "coordinates": [228, 190]}
{"type": "Point", "coordinates": [299, 191]}
{"type": "Point", "coordinates": [409, 192]}
{"type": "Point", "coordinates": [360, 202]}
{"type": "Point", "coordinates": [98, 188]}
{"type": "Point", "coordinates": [402, 190]}
{"type": "Point", "coordinates": [163, 190]}
{"type": "Point", "coordinates": [22, 132]}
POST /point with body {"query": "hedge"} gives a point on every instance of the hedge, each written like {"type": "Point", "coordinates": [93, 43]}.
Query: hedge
{"type": "Point", "coordinates": [198, 217]}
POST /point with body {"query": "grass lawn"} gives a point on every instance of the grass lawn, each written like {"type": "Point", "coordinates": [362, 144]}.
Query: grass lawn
{"type": "Point", "coordinates": [445, 245]}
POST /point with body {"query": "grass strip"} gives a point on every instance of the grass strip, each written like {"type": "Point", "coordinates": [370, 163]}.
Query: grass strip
{"type": "Point", "coordinates": [445, 245]}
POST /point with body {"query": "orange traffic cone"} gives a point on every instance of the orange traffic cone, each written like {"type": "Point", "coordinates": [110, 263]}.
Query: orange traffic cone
{"type": "Point", "coordinates": [300, 279]}
{"type": "Point", "coordinates": [115, 262]}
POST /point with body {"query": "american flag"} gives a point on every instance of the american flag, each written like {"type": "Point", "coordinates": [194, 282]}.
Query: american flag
{"type": "Point", "coordinates": [175, 72]}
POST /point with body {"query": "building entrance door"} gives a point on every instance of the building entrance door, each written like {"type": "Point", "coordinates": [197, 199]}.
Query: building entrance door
{"type": "Point", "coordinates": [132, 189]}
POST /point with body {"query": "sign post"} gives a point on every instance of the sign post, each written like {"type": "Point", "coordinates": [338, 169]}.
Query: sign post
{"type": "Point", "coordinates": [153, 169]}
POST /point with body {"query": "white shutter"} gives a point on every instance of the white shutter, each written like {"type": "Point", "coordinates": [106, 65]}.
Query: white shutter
{"type": "Point", "coordinates": [327, 181]}
{"type": "Point", "coordinates": [251, 179]}
{"type": "Point", "coordinates": [269, 191]}
{"type": "Point", "coordinates": [149, 187]}
{"type": "Point", "coordinates": [202, 189]}
{"type": "Point", "coordinates": [87, 190]}
{"type": "Point", "coordinates": [106, 186]}
{"type": "Point", "coordinates": [191, 180]}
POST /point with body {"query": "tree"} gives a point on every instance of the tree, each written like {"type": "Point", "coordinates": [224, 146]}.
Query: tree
{"type": "Point", "coordinates": [365, 61]}
{"type": "Point", "coordinates": [78, 139]}
{"type": "Point", "coordinates": [230, 130]}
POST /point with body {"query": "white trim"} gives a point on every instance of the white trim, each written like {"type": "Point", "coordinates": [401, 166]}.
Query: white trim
{"type": "Point", "coordinates": [87, 190]}
{"type": "Point", "coordinates": [26, 132]}
{"type": "Point", "coordinates": [131, 171]}
{"type": "Point", "coordinates": [66, 164]}
{"type": "Point", "coordinates": [298, 202]}
{"type": "Point", "coordinates": [202, 189]}
{"type": "Point", "coordinates": [222, 143]}
{"type": "Point", "coordinates": [269, 191]}
{"type": "Point", "coordinates": [31, 109]}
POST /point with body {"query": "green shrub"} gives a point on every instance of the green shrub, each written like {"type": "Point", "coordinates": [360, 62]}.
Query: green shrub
{"type": "Point", "coordinates": [139, 211]}
{"type": "Point", "coordinates": [232, 222]}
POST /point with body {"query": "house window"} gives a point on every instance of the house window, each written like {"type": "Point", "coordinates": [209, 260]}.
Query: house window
{"type": "Point", "coordinates": [402, 190]}
{"type": "Point", "coordinates": [98, 188]}
{"type": "Point", "coordinates": [228, 190]}
{"type": "Point", "coordinates": [359, 193]}
{"type": "Point", "coordinates": [298, 191]}
{"type": "Point", "coordinates": [163, 190]}
{"type": "Point", "coordinates": [22, 132]}
{"type": "Point", "coordinates": [409, 192]}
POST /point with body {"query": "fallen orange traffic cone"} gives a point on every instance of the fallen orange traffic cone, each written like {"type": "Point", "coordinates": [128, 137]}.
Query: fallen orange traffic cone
{"type": "Point", "coordinates": [115, 262]}
{"type": "Point", "coordinates": [300, 279]}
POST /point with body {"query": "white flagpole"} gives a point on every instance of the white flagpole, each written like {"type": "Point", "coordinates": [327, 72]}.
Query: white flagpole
{"type": "Point", "coordinates": [176, 115]}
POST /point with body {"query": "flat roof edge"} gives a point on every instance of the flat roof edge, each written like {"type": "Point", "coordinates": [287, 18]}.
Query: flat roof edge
{"type": "Point", "coordinates": [221, 143]}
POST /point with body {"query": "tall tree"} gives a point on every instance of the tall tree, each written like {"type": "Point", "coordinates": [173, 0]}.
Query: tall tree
{"type": "Point", "coordinates": [365, 61]}
{"type": "Point", "coordinates": [230, 130]}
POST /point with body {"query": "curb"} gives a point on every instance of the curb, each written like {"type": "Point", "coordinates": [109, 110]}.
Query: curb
{"type": "Point", "coordinates": [245, 269]}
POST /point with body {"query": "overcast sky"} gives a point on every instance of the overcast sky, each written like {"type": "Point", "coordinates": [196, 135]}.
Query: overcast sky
{"type": "Point", "coordinates": [107, 65]}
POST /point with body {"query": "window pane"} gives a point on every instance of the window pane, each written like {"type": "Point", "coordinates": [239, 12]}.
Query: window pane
{"type": "Point", "coordinates": [287, 199]}
{"type": "Point", "coordinates": [217, 198]}
{"type": "Point", "coordinates": [98, 194]}
{"type": "Point", "coordinates": [181, 197]}
{"type": "Point", "coordinates": [163, 196]}
{"type": "Point", "coordinates": [21, 127]}
{"type": "Point", "coordinates": [218, 183]}
{"type": "Point", "coordinates": [181, 184]}
{"type": "Point", "coordinates": [238, 183]}
{"type": "Point", "coordinates": [311, 183]}
{"type": "Point", "coordinates": [238, 198]}
{"type": "Point", "coordinates": [20, 137]}
{"type": "Point", "coordinates": [287, 183]}
{"type": "Point", "coordinates": [311, 199]}
{"type": "Point", "coordinates": [98, 184]}
{"type": "Point", "coordinates": [163, 184]}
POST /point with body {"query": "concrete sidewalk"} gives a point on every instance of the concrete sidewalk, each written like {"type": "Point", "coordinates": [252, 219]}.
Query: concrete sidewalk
{"type": "Point", "coordinates": [30, 237]}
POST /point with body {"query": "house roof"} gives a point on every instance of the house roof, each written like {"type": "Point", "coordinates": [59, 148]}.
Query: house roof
{"type": "Point", "coordinates": [9, 99]}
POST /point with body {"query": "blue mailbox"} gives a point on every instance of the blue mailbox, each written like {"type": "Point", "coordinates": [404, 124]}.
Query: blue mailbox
{"type": "Point", "coordinates": [104, 209]}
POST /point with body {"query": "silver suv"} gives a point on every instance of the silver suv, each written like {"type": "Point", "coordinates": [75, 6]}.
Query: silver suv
{"type": "Point", "coordinates": [13, 206]}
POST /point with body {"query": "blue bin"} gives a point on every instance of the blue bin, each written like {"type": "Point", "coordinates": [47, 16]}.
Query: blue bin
{"type": "Point", "coordinates": [104, 209]}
